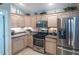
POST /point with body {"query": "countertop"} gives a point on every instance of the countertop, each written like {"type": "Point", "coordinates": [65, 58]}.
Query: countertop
{"type": "Point", "coordinates": [21, 34]}
{"type": "Point", "coordinates": [32, 33]}
{"type": "Point", "coordinates": [51, 36]}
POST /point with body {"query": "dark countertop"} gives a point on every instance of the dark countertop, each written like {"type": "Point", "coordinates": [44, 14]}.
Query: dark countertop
{"type": "Point", "coordinates": [21, 34]}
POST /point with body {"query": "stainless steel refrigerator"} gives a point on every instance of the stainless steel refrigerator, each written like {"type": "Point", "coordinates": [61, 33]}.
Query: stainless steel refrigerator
{"type": "Point", "coordinates": [68, 35]}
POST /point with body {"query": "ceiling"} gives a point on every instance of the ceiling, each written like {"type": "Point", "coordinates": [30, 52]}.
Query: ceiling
{"type": "Point", "coordinates": [40, 7]}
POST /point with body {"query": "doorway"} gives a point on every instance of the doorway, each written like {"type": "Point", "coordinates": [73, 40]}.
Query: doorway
{"type": "Point", "coordinates": [2, 33]}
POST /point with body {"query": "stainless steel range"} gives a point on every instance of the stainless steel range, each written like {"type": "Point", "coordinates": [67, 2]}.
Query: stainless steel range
{"type": "Point", "coordinates": [39, 41]}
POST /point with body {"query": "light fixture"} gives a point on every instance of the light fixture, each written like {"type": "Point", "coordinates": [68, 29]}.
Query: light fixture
{"type": "Point", "coordinates": [51, 4]}
{"type": "Point", "coordinates": [1, 12]}
{"type": "Point", "coordinates": [21, 4]}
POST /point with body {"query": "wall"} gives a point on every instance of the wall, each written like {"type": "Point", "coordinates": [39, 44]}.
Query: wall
{"type": "Point", "coordinates": [6, 7]}
{"type": "Point", "coordinates": [15, 9]}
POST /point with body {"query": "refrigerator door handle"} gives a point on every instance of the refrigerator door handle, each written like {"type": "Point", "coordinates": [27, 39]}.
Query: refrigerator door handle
{"type": "Point", "coordinates": [73, 36]}
{"type": "Point", "coordinates": [69, 33]}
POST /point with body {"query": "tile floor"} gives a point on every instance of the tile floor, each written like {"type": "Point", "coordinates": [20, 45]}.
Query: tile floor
{"type": "Point", "coordinates": [29, 51]}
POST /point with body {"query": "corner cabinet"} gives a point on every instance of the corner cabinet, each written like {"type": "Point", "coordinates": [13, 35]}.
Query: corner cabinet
{"type": "Point", "coordinates": [18, 43]}
{"type": "Point", "coordinates": [30, 41]}
{"type": "Point", "coordinates": [50, 46]}
{"type": "Point", "coordinates": [27, 21]}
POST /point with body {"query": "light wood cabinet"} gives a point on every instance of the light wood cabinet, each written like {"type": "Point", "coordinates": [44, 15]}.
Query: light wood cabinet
{"type": "Point", "coordinates": [38, 17]}
{"type": "Point", "coordinates": [50, 46]}
{"type": "Point", "coordinates": [25, 41]}
{"type": "Point", "coordinates": [33, 21]}
{"type": "Point", "coordinates": [63, 15]}
{"type": "Point", "coordinates": [17, 44]}
{"type": "Point", "coordinates": [44, 17]}
{"type": "Point", "coordinates": [52, 20]}
{"type": "Point", "coordinates": [27, 21]}
{"type": "Point", "coordinates": [21, 21]}
{"type": "Point", "coordinates": [14, 20]}
{"type": "Point", "coordinates": [17, 20]}
{"type": "Point", "coordinates": [30, 41]}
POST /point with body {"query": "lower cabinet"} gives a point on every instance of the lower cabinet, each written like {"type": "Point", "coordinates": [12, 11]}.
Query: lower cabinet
{"type": "Point", "coordinates": [30, 41]}
{"type": "Point", "coordinates": [50, 46]}
{"type": "Point", "coordinates": [18, 43]}
{"type": "Point", "coordinates": [25, 41]}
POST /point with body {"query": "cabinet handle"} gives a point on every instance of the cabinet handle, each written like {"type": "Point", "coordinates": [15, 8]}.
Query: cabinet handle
{"type": "Point", "coordinates": [50, 41]}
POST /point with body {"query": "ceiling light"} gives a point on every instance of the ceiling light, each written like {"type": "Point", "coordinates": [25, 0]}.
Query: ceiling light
{"type": "Point", "coordinates": [50, 4]}
{"type": "Point", "coordinates": [1, 12]}
{"type": "Point", "coordinates": [21, 4]}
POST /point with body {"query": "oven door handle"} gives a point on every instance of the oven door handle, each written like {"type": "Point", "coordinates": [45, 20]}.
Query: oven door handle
{"type": "Point", "coordinates": [38, 39]}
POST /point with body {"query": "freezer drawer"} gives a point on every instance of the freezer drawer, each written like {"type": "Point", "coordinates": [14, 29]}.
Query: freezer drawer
{"type": "Point", "coordinates": [59, 51]}
{"type": "Point", "coordinates": [76, 52]}
{"type": "Point", "coordinates": [66, 52]}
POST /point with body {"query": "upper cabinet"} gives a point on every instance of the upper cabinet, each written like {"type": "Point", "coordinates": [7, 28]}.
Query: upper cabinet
{"type": "Point", "coordinates": [30, 21]}
{"type": "Point", "coordinates": [38, 17]}
{"type": "Point", "coordinates": [17, 20]}
{"type": "Point", "coordinates": [44, 17]}
{"type": "Point", "coordinates": [52, 20]}
{"type": "Point", "coordinates": [68, 14]}
{"type": "Point", "coordinates": [27, 21]}
{"type": "Point", "coordinates": [63, 15]}
{"type": "Point", "coordinates": [21, 21]}
{"type": "Point", "coordinates": [41, 17]}
{"type": "Point", "coordinates": [33, 21]}
{"type": "Point", "coordinates": [14, 20]}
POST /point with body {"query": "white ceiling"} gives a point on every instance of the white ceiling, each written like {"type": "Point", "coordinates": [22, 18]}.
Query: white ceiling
{"type": "Point", "coordinates": [40, 7]}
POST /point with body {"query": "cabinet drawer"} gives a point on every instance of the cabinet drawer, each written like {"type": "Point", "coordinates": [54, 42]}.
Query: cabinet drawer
{"type": "Point", "coordinates": [50, 40]}
{"type": "Point", "coordinates": [50, 48]}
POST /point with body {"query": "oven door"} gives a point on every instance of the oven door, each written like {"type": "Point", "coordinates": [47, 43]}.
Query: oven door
{"type": "Point", "coordinates": [38, 42]}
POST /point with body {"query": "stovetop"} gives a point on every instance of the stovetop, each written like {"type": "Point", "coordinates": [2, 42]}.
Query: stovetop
{"type": "Point", "coordinates": [40, 35]}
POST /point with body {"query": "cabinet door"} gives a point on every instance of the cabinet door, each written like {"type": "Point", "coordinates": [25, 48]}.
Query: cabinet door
{"type": "Point", "coordinates": [27, 21]}
{"type": "Point", "coordinates": [21, 42]}
{"type": "Point", "coordinates": [14, 20]}
{"type": "Point", "coordinates": [17, 44]}
{"type": "Point", "coordinates": [52, 20]}
{"type": "Point", "coordinates": [25, 41]}
{"type": "Point", "coordinates": [21, 21]}
{"type": "Point", "coordinates": [38, 17]}
{"type": "Point", "coordinates": [17, 20]}
{"type": "Point", "coordinates": [63, 15]}
{"type": "Point", "coordinates": [50, 46]}
{"type": "Point", "coordinates": [44, 17]}
{"type": "Point", "coordinates": [33, 21]}
{"type": "Point", "coordinates": [30, 41]}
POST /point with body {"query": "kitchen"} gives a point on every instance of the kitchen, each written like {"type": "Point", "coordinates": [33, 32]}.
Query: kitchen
{"type": "Point", "coordinates": [36, 29]}
{"type": "Point", "coordinates": [34, 33]}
